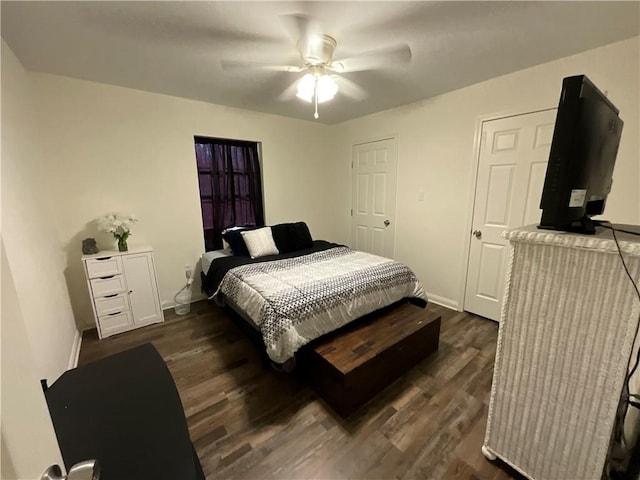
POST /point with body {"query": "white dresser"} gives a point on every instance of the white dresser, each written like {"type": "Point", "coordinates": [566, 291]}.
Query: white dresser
{"type": "Point", "coordinates": [566, 333]}
{"type": "Point", "coordinates": [124, 290]}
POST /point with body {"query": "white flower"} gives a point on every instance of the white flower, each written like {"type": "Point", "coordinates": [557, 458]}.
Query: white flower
{"type": "Point", "coordinates": [117, 225]}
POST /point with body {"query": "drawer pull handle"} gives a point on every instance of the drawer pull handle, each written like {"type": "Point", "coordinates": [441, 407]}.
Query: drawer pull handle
{"type": "Point", "coordinates": [107, 278]}
{"type": "Point", "coordinates": [109, 296]}
{"type": "Point", "coordinates": [116, 313]}
{"type": "Point", "coordinates": [103, 258]}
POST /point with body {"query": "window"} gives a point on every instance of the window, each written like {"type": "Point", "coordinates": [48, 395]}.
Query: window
{"type": "Point", "coordinates": [230, 186]}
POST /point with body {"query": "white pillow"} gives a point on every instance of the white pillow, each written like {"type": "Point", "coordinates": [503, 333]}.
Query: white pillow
{"type": "Point", "coordinates": [260, 242]}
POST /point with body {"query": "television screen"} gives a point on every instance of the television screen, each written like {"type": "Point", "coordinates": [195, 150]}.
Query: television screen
{"type": "Point", "coordinates": [583, 153]}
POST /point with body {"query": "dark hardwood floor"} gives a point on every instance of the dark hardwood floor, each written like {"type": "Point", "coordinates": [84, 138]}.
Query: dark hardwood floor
{"type": "Point", "coordinates": [249, 422]}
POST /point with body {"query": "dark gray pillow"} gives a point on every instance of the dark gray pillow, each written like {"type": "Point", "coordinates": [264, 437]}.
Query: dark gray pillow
{"type": "Point", "coordinates": [291, 237]}
{"type": "Point", "coordinates": [302, 236]}
{"type": "Point", "coordinates": [235, 240]}
{"type": "Point", "coordinates": [284, 237]}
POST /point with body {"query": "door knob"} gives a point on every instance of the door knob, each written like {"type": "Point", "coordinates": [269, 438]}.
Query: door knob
{"type": "Point", "coordinates": [477, 234]}
{"type": "Point", "coordinates": [387, 223]}
{"type": "Point", "coordinates": [87, 470]}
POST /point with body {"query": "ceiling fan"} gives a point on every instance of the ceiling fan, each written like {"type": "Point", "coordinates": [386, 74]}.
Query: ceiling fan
{"type": "Point", "coordinates": [322, 80]}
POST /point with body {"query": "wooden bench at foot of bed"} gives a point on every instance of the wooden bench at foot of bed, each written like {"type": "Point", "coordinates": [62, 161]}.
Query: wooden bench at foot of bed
{"type": "Point", "coordinates": [349, 368]}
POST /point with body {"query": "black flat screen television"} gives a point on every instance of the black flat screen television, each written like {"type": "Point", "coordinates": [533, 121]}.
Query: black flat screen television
{"type": "Point", "coordinates": [583, 153]}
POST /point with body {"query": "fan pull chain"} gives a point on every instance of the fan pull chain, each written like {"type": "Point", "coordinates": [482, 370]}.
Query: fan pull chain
{"type": "Point", "coordinates": [315, 98]}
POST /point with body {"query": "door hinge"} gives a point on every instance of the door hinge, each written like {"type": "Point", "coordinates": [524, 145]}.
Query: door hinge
{"type": "Point", "coordinates": [352, 212]}
{"type": "Point", "coordinates": [351, 163]}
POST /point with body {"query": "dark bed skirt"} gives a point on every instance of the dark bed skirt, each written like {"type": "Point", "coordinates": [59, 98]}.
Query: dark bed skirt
{"type": "Point", "coordinates": [252, 331]}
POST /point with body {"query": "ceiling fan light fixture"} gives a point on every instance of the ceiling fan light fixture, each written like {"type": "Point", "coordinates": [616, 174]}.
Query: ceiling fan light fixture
{"type": "Point", "coordinates": [327, 88]}
{"type": "Point", "coordinates": [306, 87]}
{"type": "Point", "coordinates": [324, 86]}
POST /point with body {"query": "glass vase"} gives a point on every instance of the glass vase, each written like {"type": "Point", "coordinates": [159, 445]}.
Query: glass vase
{"type": "Point", "coordinates": [122, 244]}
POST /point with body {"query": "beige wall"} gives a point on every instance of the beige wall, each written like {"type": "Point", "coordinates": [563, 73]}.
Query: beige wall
{"type": "Point", "coordinates": [436, 154]}
{"type": "Point", "coordinates": [27, 437]}
{"type": "Point", "coordinates": [37, 329]}
{"type": "Point", "coordinates": [34, 252]}
{"type": "Point", "coordinates": [110, 148]}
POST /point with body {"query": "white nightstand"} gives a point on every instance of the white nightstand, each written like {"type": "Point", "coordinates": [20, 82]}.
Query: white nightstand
{"type": "Point", "coordinates": [124, 289]}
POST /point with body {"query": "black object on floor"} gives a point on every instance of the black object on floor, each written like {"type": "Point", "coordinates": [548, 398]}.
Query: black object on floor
{"type": "Point", "coordinates": [124, 411]}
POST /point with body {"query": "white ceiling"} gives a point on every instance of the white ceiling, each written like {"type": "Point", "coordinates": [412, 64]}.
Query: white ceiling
{"type": "Point", "coordinates": [175, 48]}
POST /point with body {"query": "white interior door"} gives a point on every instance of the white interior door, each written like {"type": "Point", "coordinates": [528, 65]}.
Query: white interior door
{"type": "Point", "coordinates": [374, 178]}
{"type": "Point", "coordinates": [511, 168]}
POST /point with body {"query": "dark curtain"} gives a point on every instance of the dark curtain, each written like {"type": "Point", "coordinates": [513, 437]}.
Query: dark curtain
{"type": "Point", "coordinates": [230, 186]}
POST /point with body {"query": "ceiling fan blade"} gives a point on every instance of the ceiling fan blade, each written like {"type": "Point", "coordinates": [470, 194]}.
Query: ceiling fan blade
{"type": "Point", "coordinates": [238, 65]}
{"type": "Point", "coordinates": [300, 26]}
{"type": "Point", "coordinates": [350, 88]}
{"type": "Point", "coordinates": [179, 24]}
{"type": "Point", "coordinates": [376, 59]}
{"type": "Point", "coordinates": [289, 92]}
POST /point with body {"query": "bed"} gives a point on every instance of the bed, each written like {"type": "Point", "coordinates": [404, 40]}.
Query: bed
{"type": "Point", "coordinates": [208, 257]}
{"type": "Point", "coordinates": [295, 297]}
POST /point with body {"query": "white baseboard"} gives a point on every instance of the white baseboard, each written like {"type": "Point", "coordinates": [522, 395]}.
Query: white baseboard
{"type": "Point", "coordinates": [166, 305]}
{"type": "Point", "coordinates": [75, 350]}
{"type": "Point", "coordinates": [169, 304]}
{"type": "Point", "coordinates": [433, 298]}
{"type": "Point", "coordinates": [443, 301]}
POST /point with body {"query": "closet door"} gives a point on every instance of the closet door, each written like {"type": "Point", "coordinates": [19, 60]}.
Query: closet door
{"type": "Point", "coordinates": [139, 270]}
{"type": "Point", "coordinates": [374, 178]}
{"type": "Point", "coordinates": [511, 167]}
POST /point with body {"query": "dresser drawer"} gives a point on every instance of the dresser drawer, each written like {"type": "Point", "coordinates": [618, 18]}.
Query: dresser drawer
{"type": "Point", "coordinates": [115, 323]}
{"type": "Point", "coordinates": [101, 287]}
{"type": "Point", "coordinates": [104, 267]}
{"type": "Point", "coordinates": [111, 304]}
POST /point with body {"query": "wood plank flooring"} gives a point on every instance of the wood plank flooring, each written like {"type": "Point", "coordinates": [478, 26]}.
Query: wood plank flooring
{"type": "Point", "coordinates": [249, 422]}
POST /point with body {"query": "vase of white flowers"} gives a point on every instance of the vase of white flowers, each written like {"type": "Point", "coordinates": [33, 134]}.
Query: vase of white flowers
{"type": "Point", "coordinates": [119, 226]}
{"type": "Point", "coordinates": [122, 243]}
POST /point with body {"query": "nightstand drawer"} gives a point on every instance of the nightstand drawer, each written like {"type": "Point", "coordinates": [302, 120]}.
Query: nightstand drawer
{"type": "Point", "coordinates": [111, 304]}
{"type": "Point", "coordinates": [115, 323]}
{"type": "Point", "coordinates": [101, 287]}
{"type": "Point", "coordinates": [104, 267]}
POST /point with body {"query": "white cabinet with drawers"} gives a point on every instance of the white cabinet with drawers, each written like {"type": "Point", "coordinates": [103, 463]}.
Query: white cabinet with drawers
{"type": "Point", "coordinates": [124, 290]}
